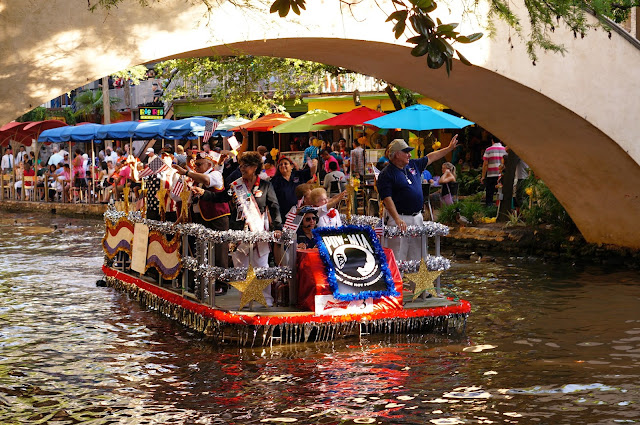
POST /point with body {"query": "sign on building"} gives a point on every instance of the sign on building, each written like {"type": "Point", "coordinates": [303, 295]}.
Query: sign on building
{"type": "Point", "coordinates": [152, 113]}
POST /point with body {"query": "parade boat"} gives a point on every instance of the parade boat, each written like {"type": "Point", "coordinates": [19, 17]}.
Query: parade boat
{"type": "Point", "coordinates": [346, 287]}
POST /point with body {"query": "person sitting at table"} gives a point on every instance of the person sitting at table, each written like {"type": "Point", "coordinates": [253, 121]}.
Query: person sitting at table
{"type": "Point", "coordinates": [335, 181]}
{"type": "Point", "coordinates": [448, 176]}
{"type": "Point", "coordinates": [304, 234]}
{"type": "Point", "coordinates": [328, 217]}
{"type": "Point", "coordinates": [427, 177]}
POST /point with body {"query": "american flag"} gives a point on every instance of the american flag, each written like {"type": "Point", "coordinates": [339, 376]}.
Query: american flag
{"type": "Point", "coordinates": [178, 187]}
{"type": "Point", "coordinates": [156, 166]}
{"type": "Point", "coordinates": [209, 128]}
{"type": "Point", "coordinates": [379, 229]}
{"type": "Point", "coordinates": [292, 221]}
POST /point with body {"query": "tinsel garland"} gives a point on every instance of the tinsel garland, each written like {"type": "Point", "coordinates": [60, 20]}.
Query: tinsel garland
{"type": "Point", "coordinates": [461, 307]}
{"type": "Point", "coordinates": [201, 232]}
{"type": "Point", "coordinates": [378, 253]}
{"type": "Point", "coordinates": [433, 263]}
{"type": "Point", "coordinates": [286, 333]}
{"type": "Point", "coordinates": [429, 228]}
{"type": "Point", "coordinates": [234, 274]}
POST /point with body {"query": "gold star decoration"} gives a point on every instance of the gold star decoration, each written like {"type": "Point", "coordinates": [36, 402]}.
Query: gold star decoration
{"type": "Point", "coordinates": [423, 279]}
{"type": "Point", "coordinates": [184, 196]}
{"type": "Point", "coordinates": [162, 196]}
{"type": "Point", "coordinates": [251, 288]}
{"type": "Point", "coordinates": [125, 195]}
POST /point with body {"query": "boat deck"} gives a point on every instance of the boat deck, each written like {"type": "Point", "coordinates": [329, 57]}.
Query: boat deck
{"type": "Point", "coordinates": [231, 301]}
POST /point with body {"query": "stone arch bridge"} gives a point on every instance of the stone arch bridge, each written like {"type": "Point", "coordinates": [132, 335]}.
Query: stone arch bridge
{"type": "Point", "coordinates": [574, 118]}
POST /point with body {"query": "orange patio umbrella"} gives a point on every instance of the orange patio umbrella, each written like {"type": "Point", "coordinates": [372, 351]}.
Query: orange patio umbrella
{"type": "Point", "coordinates": [265, 123]}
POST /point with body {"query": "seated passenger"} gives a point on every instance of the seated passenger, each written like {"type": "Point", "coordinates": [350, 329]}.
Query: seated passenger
{"type": "Point", "coordinates": [304, 235]}
{"type": "Point", "coordinates": [335, 180]}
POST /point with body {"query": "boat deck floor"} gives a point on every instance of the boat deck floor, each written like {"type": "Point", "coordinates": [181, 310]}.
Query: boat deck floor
{"type": "Point", "coordinates": [231, 301]}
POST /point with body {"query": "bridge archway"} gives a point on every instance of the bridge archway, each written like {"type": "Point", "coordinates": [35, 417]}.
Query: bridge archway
{"type": "Point", "coordinates": [579, 141]}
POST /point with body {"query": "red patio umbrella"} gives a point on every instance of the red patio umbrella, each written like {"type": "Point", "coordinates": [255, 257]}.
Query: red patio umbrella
{"type": "Point", "coordinates": [352, 118]}
{"type": "Point", "coordinates": [10, 131]}
{"type": "Point", "coordinates": [33, 130]}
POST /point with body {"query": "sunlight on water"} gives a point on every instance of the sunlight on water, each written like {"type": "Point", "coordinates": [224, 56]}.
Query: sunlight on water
{"type": "Point", "coordinates": [545, 343]}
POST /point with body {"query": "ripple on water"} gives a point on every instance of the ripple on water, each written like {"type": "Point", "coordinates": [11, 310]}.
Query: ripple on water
{"type": "Point", "coordinates": [541, 347]}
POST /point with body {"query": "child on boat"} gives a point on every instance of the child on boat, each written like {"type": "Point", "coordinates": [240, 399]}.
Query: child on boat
{"type": "Point", "coordinates": [327, 217]}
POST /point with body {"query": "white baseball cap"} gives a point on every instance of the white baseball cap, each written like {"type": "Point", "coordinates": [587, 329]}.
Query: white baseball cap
{"type": "Point", "coordinates": [150, 150]}
{"type": "Point", "coordinates": [398, 145]}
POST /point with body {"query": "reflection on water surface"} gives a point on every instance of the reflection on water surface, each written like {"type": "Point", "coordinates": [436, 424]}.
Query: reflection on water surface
{"type": "Point", "coordinates": [546, 343]}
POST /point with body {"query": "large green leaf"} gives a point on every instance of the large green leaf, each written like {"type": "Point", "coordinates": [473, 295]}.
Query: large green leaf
{"type": "Point", "coordinates": [469, 38]}
{"type": "Point", "coordinates": [398, 15]}
{"type": "Point", "coordinates": [421, 48]}
{"type": "Point", "coordinates": [422, 23]}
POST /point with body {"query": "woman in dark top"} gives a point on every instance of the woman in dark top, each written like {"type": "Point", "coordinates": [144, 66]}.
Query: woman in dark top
{"type": "Point", "coordinates": [309, 222]}
{"type": "Point", "coordinates": [285, 181]}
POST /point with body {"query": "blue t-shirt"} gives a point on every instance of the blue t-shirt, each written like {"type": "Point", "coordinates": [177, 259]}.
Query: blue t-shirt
{"type": "Point", "coordinates": [394, 182]}
{"type": "Point", "coordinates": [426, 175]}
{"type": "Point", "coordinates": [286, 189]}
{"type": "Point", "coordinates": [311, 152]}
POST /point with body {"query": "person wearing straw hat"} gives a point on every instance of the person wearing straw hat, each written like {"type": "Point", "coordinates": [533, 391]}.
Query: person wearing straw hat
{"type": "Point", "coordinates": [400, 188]}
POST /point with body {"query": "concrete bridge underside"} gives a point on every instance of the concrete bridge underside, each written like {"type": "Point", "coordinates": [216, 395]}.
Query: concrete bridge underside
{"type": "Point", "coordinates": [578, 137]}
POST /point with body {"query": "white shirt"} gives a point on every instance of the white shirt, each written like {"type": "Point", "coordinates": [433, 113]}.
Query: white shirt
{"type": "Point", "coordinates": [113, 157]}
{"type": "Point", "coordinates": [55, 159]}
{"type": "Point", "coordinates": [20, 156]}
{"type": "Point", "coordinates": [215, 181]}
{"type": "Point", "coordinates": [7, 162]}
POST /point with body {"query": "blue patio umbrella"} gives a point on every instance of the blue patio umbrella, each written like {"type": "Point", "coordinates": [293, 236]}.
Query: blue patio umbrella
{"type": "Point", "coordinates": [148, 130]}
{"type": "Point", "coordinates": [116, 131]}
{"type": "Point", "coordinates": [192, 128]}
{"type": "Point", "coordinates": [51, 136]}
{"type": "Point", "coordinates": [186, 128]}
{"type": "Point", "coordinates": [419, 117]}
{"type": "Point", "coordinates": [79, 133]}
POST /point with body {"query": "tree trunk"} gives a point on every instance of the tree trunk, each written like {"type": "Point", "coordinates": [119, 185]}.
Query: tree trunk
{"type": "Point", "coordinates": [508, 176]}
{"type": "Point", "coordinates": [393, 97]}
{"type": "Point", "coordinates": [106, 104]}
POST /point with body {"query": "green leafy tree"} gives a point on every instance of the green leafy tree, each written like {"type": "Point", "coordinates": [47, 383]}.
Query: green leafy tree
{"type": "Point", "coordinates": [242, 84]}
{"type": "Point", "coordinates": [41, 113]}
{"type": "Point", "coordinates": [89, 106]}
{"type": "Point", "coordinates": [135, 74]}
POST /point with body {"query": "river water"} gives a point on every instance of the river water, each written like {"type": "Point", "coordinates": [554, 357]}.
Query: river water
{"type": "Point", "coordinates": [545, 343]}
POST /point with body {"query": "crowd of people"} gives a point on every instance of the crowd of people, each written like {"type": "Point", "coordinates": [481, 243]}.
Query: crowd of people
{"type": "Point", "coordinates": [254, 190]}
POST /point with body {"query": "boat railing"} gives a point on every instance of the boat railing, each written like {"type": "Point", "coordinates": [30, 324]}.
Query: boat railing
{"type": "Point", "coordinates": [197, 255]}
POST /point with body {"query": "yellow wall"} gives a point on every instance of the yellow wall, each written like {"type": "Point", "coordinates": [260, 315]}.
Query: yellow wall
{"type": "Point", "coordinates": [345, 103]}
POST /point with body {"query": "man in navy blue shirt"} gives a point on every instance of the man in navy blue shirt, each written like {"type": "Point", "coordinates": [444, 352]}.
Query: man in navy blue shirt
{"type": "Point", "coordinates": [400, 188]}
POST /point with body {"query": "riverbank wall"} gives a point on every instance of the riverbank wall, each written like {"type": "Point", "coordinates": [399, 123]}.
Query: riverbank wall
{"type": "Point", "coordinates": [70, 210]}
{"type": "Point", "coordinates": [545, 242]}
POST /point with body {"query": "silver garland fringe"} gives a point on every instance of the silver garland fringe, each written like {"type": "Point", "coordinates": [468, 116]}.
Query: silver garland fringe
{"type": "Point", "coordinates": [433, 263]}
{"type": "Point", "coordinates": [234, 274]}
{"type": "Point", "coordinates": [243, 335]}
{"type": "Point", "coordinates": [199, 231]}
{"type": "Point", "coordinates": [429, 228]}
